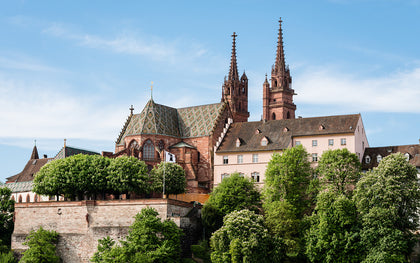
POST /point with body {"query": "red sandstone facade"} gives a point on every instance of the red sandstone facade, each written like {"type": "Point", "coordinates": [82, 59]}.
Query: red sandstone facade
{"type": "Point", "coordinates": [278, 99]}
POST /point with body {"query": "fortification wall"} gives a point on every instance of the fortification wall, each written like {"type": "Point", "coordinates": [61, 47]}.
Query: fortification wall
{"type": "Point", "coordinates": [80, 224]}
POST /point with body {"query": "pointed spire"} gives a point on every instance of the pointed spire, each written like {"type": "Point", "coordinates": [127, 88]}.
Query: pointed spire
{"type": "Point", "coordinates": [279, 66]}
{"type": "Point", "coordinates": [233, 71]}
{"type": "Point", "coordinates": [151, 91]}
{"type": "Point", "coordinates": [266, 80]}
{"type": "Point", "coordinates": [34, 154]}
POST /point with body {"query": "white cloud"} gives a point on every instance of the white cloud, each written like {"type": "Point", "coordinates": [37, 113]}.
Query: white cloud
{"type": "Point", "coordinates": [396, 92]}
{"type": "Point", "coordinates": [39, 110]}
{"type": "Point", "coordinates": [176, 51]}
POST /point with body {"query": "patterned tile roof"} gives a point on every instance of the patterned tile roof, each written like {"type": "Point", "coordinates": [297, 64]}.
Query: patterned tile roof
{"type": "Point", "coordinates": [279, 133]}
{"type": "Point", "coordinates": [182, 123]}
{"type": "Point", "coordinates": [19, 186]}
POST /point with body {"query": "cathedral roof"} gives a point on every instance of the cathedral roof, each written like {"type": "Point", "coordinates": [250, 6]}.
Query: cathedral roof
{"type": "Point", "coordinates": [279, 133]}
{"type": "Point", "coordinates": [164, 120]}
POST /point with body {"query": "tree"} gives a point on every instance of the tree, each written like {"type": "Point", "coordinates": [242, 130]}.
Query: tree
{"type": "Point", "coordinates": [388, 198]}
{"type": "Point", "coordinates": [288, 177]}
{"type": "Point", "coordinates": [7, 257]}
{"type": "Point", "coordinates": [339, 170]}
{"type": "Point", "coordinates": [7, 207]}
{"type": "Point", "coordinates": [175, 181]}
{"type": "Point", "coordinates": [42, 247]}
{"type": "Point", "coordinates": [149, 240]}
{"type": "Point", "coordinates": [233, 193]}
{"type": "Point", "coordinates": [334, 232]}
{"type": "Point", "coordinates": [128, 174]}
{"type": "Point", "coordinates": [244, 238]}
{"type": "Point", "coordinates": [289, 194]}
{"type": "Point", "coordinates": [74, 176]}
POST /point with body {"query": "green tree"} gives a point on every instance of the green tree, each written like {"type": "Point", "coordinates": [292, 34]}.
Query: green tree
{"type": "Point", "coordinates": [7, 257]}
{"type": "Point", "coordinates": [128, 174]}
{"type": "Point", "coordinates": [334, 232]}
{"type": "Point", "coordinates": [289, 194]}
{"type": "Point", "coordinates": [289, 177]}
{"type": "Point", "coordinates": [244, 238]}
{"type": "Point", "coordinates": [7, 207]}
{"type": "Point", "coordinates": [175, 181]}
{"type": "Point", "coordinates": [149, 240]}
{"type": "Point", "coordinates": [388, 199]}
{"type": "Point", "coordinates": [42, 247]}
{"type": "Point", "coordinates": [339, 170]}
{"type": "Point", "coordinates": [233, 193]}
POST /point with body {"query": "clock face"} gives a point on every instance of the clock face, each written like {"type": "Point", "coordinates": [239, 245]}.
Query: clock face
{"type": "Point", "coordinates": [161, 145]}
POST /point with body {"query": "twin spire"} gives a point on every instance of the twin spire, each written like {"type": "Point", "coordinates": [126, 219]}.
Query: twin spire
{"type": "Point", "coordinates": [280, 65]}
{"type": "Point", "coordinates": [233, 71]}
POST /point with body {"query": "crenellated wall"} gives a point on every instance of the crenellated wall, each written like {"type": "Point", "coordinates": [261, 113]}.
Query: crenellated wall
{"type": "Point", "coordinates": [80, 224]}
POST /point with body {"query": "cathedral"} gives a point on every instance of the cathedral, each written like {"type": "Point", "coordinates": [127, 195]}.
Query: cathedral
{"type": "Point", "coordinates": [193, 133]}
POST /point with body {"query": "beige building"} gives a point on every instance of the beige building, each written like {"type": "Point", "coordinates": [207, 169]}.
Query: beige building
{"type": "Point", "coordinates": [247, 147]}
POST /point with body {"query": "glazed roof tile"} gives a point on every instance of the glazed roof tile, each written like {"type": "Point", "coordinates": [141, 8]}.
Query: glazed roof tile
{"type": "Point", "coordinates": [20, 186]}
{"type": "Point", "coordinates": [163, 120]}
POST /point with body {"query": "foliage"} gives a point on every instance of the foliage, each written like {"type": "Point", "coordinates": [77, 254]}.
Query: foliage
{"type": "Point", "coordinates": [339, 170]}
{"type": "Point", "coordinates": [7, 208]}
{"type": "Point", "coordinates": [288, 177]}
{"type": "Point", "coordinates": [388, 198]}
{"type": "Point", "coordinates": [149, 240]}
{"type": "Point", "coordinates": [233, 193]}
{"type": "Point", "coordinates": [289, 194]}
{"type": "Point", "coordinates": [202, 251]}
{"type": "Point", "coordinates": [244, 238]}
{"type": "Point", "coordinates": [7, 257]}
{"type": "Point", "coordinates": [80, 175]}
{"type": "Point", "coordinates": [175, 181]}
{"type": "Point", "coordinates": [334, 232]}
{"type": "Point", "coordinates": [128, 174]}
{"type": "Point", "coordinates": [41, 247]}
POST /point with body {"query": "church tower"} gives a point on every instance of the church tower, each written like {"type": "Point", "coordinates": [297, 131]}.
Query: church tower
{"type": "Point", "coordinates": [235, 89]}
{"type": "Point", "coordinates": [278, 99]}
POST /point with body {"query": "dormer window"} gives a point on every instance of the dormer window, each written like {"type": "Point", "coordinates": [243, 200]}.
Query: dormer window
{"type": "Point", "coordinates": [264, 141]}
{"type": "Point", "coordinates": [257, 131]}
{"type": "Point", "coordinates": [367, 159]}
{"type": "Point", "coordinates": [321, 127]}
{"type": "Point", "coordinates": [238, 142]}
{"type": "Point", "coordinates": [378, 158]}
{"type": "Point", "coordinates": [285, 129]}
{"type": "Point", "coordinates": [407, 156]}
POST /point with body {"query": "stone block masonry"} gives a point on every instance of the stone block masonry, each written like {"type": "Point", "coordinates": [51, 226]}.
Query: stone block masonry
{"type": "Point", "coordinates": [80, 224]}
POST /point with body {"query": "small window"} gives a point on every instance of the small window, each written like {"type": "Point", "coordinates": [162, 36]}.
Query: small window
{"type": "Point", "coordinates": [225, 160]}
{"type": "Point", "coordinates": [314, 142]}
{"type": "Point", "coordinates": [255, 158]}
{"type": "Point", "coordinates": [330, 142]}
{"type": "Point", "coordinates": [240, 158]}
{"type": "Point", "coordinates": [314, 157]}
{"type": "Point", "coordinates": [367, 159]}
{"type": "Point", "coordinates": [298, 143]}
{"type": "Point", "coordinates": [238, 142]}
{"type": "Point", "coordinates": [225, 175]}
{"type": "Point", "coordinates": [343, 141]}
{"type": "Point", "coordinates": [407, 156]}
{"type": "Point", "coordinates": [378, 158]}
{"type": "Point", "coordinates": [264, 141]}
{"type": "Point", "coordinates": [255, 177]}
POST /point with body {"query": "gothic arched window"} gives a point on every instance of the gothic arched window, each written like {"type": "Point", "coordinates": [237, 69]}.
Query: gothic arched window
{"type": "Point", "coordinates": [274, 116]}
{"type": "Point", "coordinates": [28, 198]}
{"type": "Point", "coordinates": [148, 151]}
{"type": "Point", "coordinates": [20, 198]}
{"type": "Point", "coordinates": [288, 115]}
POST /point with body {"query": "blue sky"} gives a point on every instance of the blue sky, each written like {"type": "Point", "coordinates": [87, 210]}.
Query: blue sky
{"type": "Point", "coordinates": [72, 69]}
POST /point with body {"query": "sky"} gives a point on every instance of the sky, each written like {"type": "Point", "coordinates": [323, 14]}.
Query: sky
{"type": "Point", "coordinates": [71, 69]}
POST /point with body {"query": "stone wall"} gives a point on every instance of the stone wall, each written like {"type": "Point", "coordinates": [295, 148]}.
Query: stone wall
{"type": "Point", "coordinates": [80, 224]}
